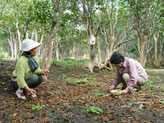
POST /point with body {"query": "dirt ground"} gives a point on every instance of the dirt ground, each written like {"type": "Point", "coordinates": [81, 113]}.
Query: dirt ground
{"type": "Point", "coordinates": [71, 90]}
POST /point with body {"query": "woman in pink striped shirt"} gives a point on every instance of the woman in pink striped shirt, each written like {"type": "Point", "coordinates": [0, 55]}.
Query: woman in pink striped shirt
{"type": "Point", "coordinates": [129, 72]}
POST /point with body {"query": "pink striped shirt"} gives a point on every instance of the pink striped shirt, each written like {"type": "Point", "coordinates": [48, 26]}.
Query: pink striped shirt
{"type": "Point", "coordinates": [134, 69]}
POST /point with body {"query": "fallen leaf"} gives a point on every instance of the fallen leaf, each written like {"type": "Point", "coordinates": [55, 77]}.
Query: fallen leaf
{"type": "Point", "coordinates": [15, 114]}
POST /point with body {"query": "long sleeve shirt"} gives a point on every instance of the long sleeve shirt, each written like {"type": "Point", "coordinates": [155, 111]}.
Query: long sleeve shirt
{"type": "Point", "coordinates": [134, 69]}
{"type": "Point", "coordinates": [22, 69]}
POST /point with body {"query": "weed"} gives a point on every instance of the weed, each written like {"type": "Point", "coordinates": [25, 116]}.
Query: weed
{"type": "Point", "coordinates": [70, 81]}
{"type": "Point", "coordinates": [119, 86]}
{"type": "Point", "coordinates": [101, 94]}
{"type": "Point", "coordinates": [149, 82]}
{"type": "Point", "coordinates": [36, 107]}
{"type": "Point", "coordinates": [64, 76]}
{"type": "Point", "coordinates": [94, 110]}
{"type": "Point", "coordinates": [69, 62]}
{"type": "Point", "coordinates": [162, 102]}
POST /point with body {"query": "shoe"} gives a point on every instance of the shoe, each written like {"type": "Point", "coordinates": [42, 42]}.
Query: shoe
{"type": "Point", "coordinates": [20, 94]}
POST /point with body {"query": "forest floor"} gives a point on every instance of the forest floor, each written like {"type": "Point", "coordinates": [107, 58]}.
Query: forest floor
{"type": "Point", "coordinates": [71, 92]}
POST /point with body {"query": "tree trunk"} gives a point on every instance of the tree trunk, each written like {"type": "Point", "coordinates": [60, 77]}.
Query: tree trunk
{"type": "Point", "coordinates": [14, 47]}
{"type": "Point", "coordinates": [99, 53]}
{"type": "Point", "coordinates": [41, 47]}
{"type": "Point", "coordinates": [142, 48]}
{"type": "Point", "coordinates": [156, 49]}
{"type": "Point", "coordinates": [57, 50]}
{"type": "Point", "coordinates": [19, 36]}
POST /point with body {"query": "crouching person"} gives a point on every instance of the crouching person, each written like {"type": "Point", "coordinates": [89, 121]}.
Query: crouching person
{"type": "Point", "coordinates": [129, 72]}
{"type": "Point", "coordinates": [27, 74]}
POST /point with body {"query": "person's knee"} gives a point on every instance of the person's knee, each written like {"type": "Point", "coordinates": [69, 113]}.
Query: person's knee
{"type": "Point", "coordinates": [126, 77]}
{"type": "Point", "coordinates": [32, 78]}
{"type": "Point", "coordinates": [141, 81]}
{"type": "Point", "coordinates": [41, 78]}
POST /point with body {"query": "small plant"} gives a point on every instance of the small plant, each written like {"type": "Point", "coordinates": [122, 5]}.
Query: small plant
{"type": "Point", "coordinates": [64, 76]}
{"type": "Point", "coordinates": [85, 75]}
{"type": "Point", "coordinates": [149, 82]}
{"type": "Point", "coordinates": [101, 94]}
{"type": "Point", "coordinates": [162, 102]}
{"type": "Point", "coordinates": [94, 110]}
{"type": "Point", "coordinates": [79, 81]}
{"type": "Point", "coordinates": [69, 80]}
{"type": "Point", "coordinates": [36, 107]}
{"type": "Point", "coordinates": [119, 86]}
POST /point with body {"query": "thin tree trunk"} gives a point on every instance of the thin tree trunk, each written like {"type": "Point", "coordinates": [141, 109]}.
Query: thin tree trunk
{"type": "Point", "coordinates": [156, 49]}
{"type": "Point", "coordinates": [99, 52]}
{"type": "Point", "coordinates": [19, 36]}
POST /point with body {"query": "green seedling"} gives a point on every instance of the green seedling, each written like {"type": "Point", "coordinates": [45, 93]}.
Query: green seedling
{"type": "Point", "coordinates": [119, 86]}
{"type": "Point", "coordinates": [94, 110]}
{"type": "Point", "coordinates": [162, 102]}
{"type": "Point", "coordinates": [149, 82]}
{"type": "Point", "coordinates": [36, 107]}
{"type": "Point", "coordinates": [64, 76]}
{"type": "Point", "coordinates": [101, 94]}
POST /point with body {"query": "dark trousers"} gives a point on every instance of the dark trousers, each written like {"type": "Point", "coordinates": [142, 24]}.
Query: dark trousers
{"type": "Point", "coordinates": [32, 80]}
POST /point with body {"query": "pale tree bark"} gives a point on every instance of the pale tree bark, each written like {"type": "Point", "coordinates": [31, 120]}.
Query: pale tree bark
{"type": "Point", "coordinates": [36, 35]}
{"type": "Point", "coordinates": [27, 35]}
{"type": "Point", "coordinates": [46, 62]}
{"type": "Point", "coordinates": [32, 34]}
{"type": "Point", "coordinates": [155, 36]}
{"type": "Point", "coordinates": [13, 45]}
{"type": "Point", "coordinates": [57, 50]}
{"type": "Point", "coordinates": [41, 47]}
{"type": "Point", "coordinates": [19, 35]}
{"type": "Point", "coordinates": [10, 42]}
{"type": "Point", "coordinates": [99, 52]}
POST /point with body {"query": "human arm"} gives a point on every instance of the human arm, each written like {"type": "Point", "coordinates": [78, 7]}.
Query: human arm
{"type": "Point", "coordinates": [116, 80]}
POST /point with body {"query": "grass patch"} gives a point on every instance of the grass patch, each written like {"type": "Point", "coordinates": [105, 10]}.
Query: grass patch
{"type": "Point", "coordinates": [76, 82]}
{"type": "Point", "coordinates": [36, 107]}
{"type": "Point", "coordinates": [149, 82]}
{"type": "Point", "coordinates": [94, 110]}
{"type": "Point", "coordinates": [101, 93]}
{"type": "Point", "coordinates": [162, 102]}
{"type": "Point", "coordinates": [69, 62]}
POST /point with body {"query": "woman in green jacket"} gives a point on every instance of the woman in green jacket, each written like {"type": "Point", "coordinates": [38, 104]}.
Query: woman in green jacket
{"type": "Point", "coordinates": [27, 74]}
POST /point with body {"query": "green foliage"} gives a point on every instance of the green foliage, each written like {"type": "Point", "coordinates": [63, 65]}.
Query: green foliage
{"type": "Point", "coordinates": [75, 82]}
{"type": "Point", "coordinates": [43, 11]}
{"type": "Point", "coordinates": [119, 86]}
{"type": "Point", "coordinates": [162, 102]}
{"type": "Point", "coordinates": [94, 110]}
{"type": "Point", "coordinates": [149, 82]}
{"type": "Point", "coordinates": [69, 62]}
{"type": "Point", "coordinates": [101, 94]}
{"type": "Point", "coordinates": [64, 76]}
{"type": "Point", "coordinates": [36, 107]}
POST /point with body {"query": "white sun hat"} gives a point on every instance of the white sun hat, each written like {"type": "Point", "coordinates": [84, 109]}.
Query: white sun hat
{"type": "Point", "coordinates": [29, 44]}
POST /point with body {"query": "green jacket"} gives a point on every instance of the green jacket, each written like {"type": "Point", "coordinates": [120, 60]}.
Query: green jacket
{"type": "Point", "coordinates": [22, 69]}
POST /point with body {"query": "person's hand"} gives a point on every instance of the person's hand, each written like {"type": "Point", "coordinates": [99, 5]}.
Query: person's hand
{"type": "Point", "coordinates": [124, 91]}
{"type": "Point", "coordinates": [32, 92]}
{"type": "Point", "coordinates": [45, 72]}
